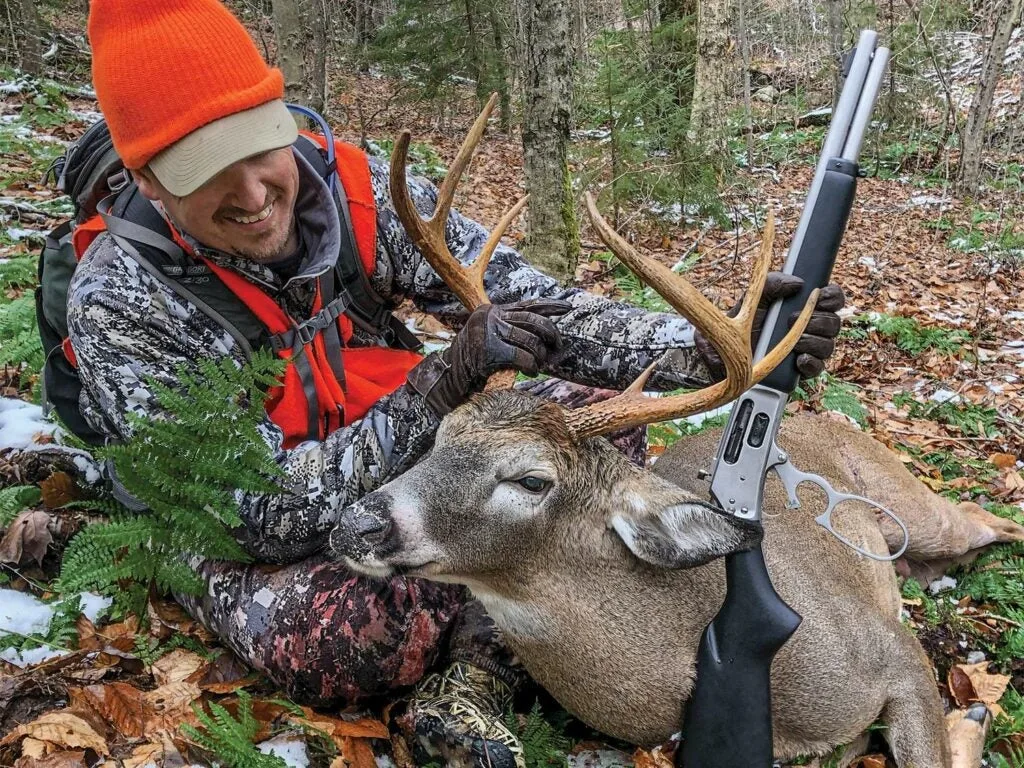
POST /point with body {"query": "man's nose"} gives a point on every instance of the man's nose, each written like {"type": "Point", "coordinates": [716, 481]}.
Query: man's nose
{"type": "Point", "coordinates": [248, 190]}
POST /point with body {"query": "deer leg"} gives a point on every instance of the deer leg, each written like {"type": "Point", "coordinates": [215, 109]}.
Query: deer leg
{"type": "Point", "coordinates": [913, 714]}
{"type": "Point", "coordinates": [967, 731]}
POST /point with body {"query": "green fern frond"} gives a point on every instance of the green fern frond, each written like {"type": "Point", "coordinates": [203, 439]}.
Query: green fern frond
{"type": "Point", "coordinates": [14, 499]}
{"type": "Point", "coordinates": [187, 468]}
{"type": "Point", "coordinates": [228, 739]}
{"type": "Point", "coordinates": [544, 744]}
{"type": "Point", "coordinates": [18, 272]}
{"type": "Point", "coordinates": [21, 345]}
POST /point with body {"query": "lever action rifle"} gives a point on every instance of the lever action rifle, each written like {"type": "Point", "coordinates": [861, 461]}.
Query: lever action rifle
{"type": "Point", "coordinates": [728, 718]}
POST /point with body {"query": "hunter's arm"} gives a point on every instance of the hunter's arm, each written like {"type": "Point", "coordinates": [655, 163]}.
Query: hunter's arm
{"type": "Point", "coordinates": [608, 344]}
{"type": "Point", "coordinates": [126, 330]}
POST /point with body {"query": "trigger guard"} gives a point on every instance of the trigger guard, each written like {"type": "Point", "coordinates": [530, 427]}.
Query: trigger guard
{"type": "Point", "coordinates": [825, 521]}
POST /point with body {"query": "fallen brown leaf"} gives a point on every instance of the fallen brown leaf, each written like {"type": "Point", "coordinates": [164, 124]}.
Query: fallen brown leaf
{"type": "Point", "coordinates": [29, 534]}
{"type": "Point", "coordinates": [62, 759]}
{"type": "Point", "coordinates": [59, 489]}
{"type": "Point", "coordinates": [988, 688]}
{"type": "Point", "coordinates": [33, 748]}
{"type": "Point", "coordinates": [357, 753]}
{"type": "Point", "coordinates": [960, 686]}
{"type": "Point", "coordinates": [63, 728]}
{"type": "Point", "coordinates": [656, 759]}
{"type": "Point", "coordinates": [337, 728]}
{"type": "Point", "coordinates": [226, 674]}
{"type": "Point", "coordinates": [1003, 460]}
{"type": "Point", "coordinates": [136, 714]}
{"type": "Point", "coordinates": [178, 665]}
{"type": "Point", "coordinates": [1013, 481]}
{"type": "Point", "coordinates": [869, 761]}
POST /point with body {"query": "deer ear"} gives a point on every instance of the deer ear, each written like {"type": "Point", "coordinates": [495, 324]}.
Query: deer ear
{"type": "Point", "coordinates": [682, 535]}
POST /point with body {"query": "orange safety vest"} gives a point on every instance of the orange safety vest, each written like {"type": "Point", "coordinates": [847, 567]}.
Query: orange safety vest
{"type": "Point", "coordinates": [370, 373]}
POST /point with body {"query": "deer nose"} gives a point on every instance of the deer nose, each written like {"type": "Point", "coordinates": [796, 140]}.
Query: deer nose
{"type": "Point", "coordinates": [371, 528]}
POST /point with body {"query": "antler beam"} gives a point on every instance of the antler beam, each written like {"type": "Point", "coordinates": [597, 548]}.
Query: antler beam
{"type": "Point", "coordinates": [428, 235]}
{"type": "Point", "coordinates": [730, 336]}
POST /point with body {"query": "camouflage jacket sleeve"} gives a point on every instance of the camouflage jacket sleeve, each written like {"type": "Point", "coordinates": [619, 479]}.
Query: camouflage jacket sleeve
{"type": "Point", "coordinates": [608, 344]}
{"type": "Point", "coordinates": [127, 327]}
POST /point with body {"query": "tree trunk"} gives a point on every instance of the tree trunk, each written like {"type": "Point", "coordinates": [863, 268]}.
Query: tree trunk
{"type": "Point", "coordinates": [501, 69]}
{"type": "Point", "coordinates": [969, 172]}
{"type": "Point", "coordinates": [473, 53]}
{"type": "Point", "coordinates": [27, 31]}
{"type": "Point", "coordinates": [748, 111]}
{"type": "Point", "coordinates": [716, 68]}
{"type": "Point", "coordinates": [674, 10]}
{"type": "Point", "coordinates": [835, 33]}
{"type": "Point", "coordinates": [553, 238]}
{"type": "Point", "coordinates": [301, 30]}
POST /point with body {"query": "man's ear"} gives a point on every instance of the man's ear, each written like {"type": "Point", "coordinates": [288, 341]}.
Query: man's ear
{"type": "Point", "coordinates": [147, 183]}
{"type": "Point", "coordinates": [680, 534]}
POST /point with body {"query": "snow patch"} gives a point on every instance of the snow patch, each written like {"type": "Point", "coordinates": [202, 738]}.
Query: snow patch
{"type": "Point", "coordinates": [24, 614]}
{"type": "Point", "coordinates": [289, 747]}
{"type": "Point", "coordinates": [22, 423]}
{"type": "Point", "coordinates": [945, 396]}
{"type": "Point", "coordinates": [941, 585]}
{"type": "Point", "coordinates": [17, 234]}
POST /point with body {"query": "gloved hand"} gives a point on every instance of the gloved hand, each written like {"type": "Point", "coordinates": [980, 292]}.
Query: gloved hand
{"type": "Point", "coordinates": [518, 336]}
{"type": "Point", "coordinates": [816, 344]}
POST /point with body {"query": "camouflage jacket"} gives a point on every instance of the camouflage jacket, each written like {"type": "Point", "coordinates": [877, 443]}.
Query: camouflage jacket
{"type": "Point", "coordinates": [126, 326]}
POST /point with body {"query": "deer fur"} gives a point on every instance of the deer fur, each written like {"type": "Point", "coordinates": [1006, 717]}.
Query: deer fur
{"type": "Point", "coordinates": [603, 582]}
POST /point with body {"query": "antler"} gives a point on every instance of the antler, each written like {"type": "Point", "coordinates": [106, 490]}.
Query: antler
{"type": "Point", "coordinates": [466, 282]}
{"type": "Point", "coordinates": [730, 336]}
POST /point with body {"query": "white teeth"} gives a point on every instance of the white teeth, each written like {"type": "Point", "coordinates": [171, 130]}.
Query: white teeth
{"type": "Point", "coordinates": [253, 219]}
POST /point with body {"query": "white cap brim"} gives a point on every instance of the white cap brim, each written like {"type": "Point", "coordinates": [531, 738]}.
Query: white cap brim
{"type": "Point", "coordinates": [195, 159]}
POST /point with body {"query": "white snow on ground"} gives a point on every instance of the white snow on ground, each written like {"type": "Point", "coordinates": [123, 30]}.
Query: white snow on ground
{"type": "Point", "coordinates": [290, 747]}
{"type": "Point", "coordinates": [941, 585]}
{"type": "Point", "coordinates": [16, 234]}
{"type": "Point", "coordinates": [21, 423]}
{"type": "Point", "coordinates": [24, 614]}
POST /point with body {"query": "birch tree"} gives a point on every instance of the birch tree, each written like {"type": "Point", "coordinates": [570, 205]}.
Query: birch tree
{"type": "Point", "coordinates": [301, 30]}
{"type": "Point", "coordinates": [553, 235]}
{"type": "Point", "coordinates": [1007, 18]}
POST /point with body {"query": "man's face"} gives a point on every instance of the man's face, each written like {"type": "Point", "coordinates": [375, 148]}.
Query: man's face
{"type": "Point", "coordinates": [246, 210]}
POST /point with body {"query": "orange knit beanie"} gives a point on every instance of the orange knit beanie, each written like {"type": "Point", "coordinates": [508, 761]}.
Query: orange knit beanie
{"type": "Point", "coordinates": [163, 68]}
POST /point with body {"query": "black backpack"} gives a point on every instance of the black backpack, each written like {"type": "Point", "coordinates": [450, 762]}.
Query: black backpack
{"type": "Point", "coordinates": [92, 174]}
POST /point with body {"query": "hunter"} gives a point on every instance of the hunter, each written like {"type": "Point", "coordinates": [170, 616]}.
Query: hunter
{"type": "Point", "coordinates": [198, 117]}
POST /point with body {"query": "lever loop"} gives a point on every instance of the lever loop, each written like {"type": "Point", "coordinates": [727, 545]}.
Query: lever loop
{"type": "Point", "coordinates": [792, 478]}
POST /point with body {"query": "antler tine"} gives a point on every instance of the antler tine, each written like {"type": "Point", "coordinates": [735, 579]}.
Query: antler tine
{"type": "Point", "coordinates": [730, 336]}
{"type": "Point", "coordinates": [726, 334]}
{"type": "Point", "coordinates": [451, 180]}
{"type": "Point", "coordinates": [428, 235]}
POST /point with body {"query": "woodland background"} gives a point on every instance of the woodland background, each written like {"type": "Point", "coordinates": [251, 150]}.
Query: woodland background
{"type": "Point", "coordinates": [691, 120]}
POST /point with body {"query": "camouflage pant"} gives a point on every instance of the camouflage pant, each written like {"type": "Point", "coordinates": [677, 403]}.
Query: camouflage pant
{"type": "Point", "coordinates": [327, 636]}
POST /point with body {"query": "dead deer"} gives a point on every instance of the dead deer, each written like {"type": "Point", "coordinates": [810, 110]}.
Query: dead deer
{"type": "Point", "coordinates": [603, 575]}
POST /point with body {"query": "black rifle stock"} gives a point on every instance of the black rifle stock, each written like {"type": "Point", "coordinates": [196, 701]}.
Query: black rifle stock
{"type": "Point", "coordinates": [727, 720]}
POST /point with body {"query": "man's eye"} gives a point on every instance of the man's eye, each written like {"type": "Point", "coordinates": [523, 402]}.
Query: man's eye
{"type": "Point", "coordinates": [533, 484]}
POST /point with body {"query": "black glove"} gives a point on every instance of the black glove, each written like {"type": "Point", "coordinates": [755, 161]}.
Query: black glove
{"type": "Point", "coordinates": [518, 336]}
{"type": "Point", "coordinates": [818, 341]}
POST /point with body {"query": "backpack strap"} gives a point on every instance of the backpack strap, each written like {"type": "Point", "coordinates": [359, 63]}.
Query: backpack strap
{"type": "Point", "coordinates": [142, 233]}
{"type": "Point", "coordinates": [363, 305]}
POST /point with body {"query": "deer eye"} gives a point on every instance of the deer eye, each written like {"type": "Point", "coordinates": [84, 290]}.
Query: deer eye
{"type": "Point", "coordinates": [534, 484]}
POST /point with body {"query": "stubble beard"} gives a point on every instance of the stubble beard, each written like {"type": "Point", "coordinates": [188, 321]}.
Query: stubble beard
{"type": "Point", "coordinates": [274, 247]}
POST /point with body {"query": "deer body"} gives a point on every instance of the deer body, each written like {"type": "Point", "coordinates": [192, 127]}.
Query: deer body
{"type": "Point", "coordinates": [585, 580]}
{"type": "Point", "coordinates": [603, 576]}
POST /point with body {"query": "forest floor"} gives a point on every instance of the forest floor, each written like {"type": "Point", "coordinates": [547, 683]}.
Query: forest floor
{"type": "Point", "coordinates": [931, 362]}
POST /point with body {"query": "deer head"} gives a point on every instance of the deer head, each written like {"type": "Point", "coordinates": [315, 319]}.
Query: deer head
{"type": "Point", "coordinates": [512, 478]}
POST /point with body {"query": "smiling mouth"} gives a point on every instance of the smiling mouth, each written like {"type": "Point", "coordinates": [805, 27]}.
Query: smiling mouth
{"type": "Point", "coordinates": [255, 218]}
